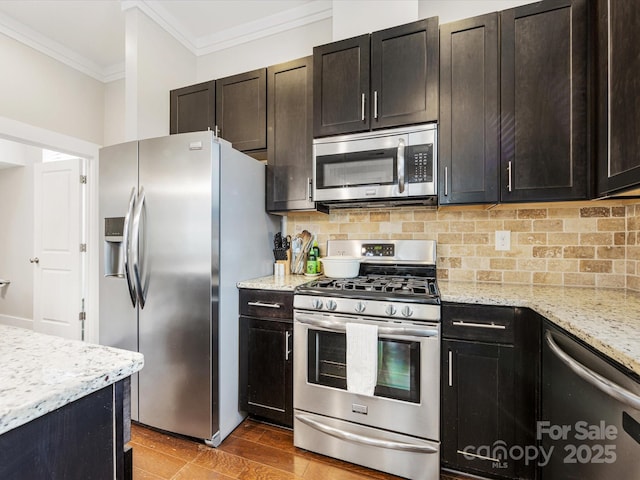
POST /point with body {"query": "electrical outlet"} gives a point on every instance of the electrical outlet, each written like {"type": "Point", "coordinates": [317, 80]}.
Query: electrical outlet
{"type": "Point", "coordinates": [503, 240]}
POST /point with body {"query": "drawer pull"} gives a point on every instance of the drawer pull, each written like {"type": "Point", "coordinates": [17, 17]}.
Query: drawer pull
{"type": "Point", "coordinates": [262, 304]}
{"type": "Point", "coordinates": [480, 325]}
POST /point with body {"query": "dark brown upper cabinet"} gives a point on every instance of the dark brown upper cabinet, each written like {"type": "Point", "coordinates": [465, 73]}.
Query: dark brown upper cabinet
{"type": "Point", "coordinates": [382, 80]}
{"type": "Point", "coordinates": [618, 61]}
{"type": "Point", "coordinates": [241, 110]}
{"type": "Point", "coordinates": [469, 129]}
{"type": "Point", "coordinates": [290, 135]}
{"type": "Point", "coordinates": [193, 108]}
{"type": "Point", "coordinates": [341, 86]}
{"type": "Point", "coordinates": [544, 150]}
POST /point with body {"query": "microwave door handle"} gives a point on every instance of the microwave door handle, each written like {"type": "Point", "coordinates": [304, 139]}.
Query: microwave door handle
{"type": "Point", "coordinates": [401, 165]}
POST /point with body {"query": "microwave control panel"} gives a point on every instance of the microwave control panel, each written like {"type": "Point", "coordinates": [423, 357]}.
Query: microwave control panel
{"type": "Point", "coordinates": [419, 163]}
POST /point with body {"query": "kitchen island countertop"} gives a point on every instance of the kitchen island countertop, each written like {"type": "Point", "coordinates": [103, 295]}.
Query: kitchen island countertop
{"type": "Point", "coordinates": [606, 319]}
{"type": "Point", "coordinates": [41, 373]}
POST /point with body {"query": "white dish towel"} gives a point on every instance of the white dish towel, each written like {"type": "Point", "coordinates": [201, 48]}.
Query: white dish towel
{"type": "Point", "coordinates": [362, 358]}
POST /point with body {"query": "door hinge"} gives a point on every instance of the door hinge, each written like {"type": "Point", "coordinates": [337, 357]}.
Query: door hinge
{"type": "Point", "coordinates": [82, 316]}
{"type": "Point", "coordinates": [83, 179]}
{"type": "Point", "coordinates": [83, 247]}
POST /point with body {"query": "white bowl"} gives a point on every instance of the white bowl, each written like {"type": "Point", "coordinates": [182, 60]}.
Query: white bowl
{"type": "Point", "coordinates": [340, 266]}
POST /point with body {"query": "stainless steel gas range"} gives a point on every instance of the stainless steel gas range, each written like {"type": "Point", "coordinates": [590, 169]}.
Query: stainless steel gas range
{"type": "Point", "coordinates": [395, 427]}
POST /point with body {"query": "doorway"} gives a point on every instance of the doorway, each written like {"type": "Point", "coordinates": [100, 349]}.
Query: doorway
{"type": "Point", "coordinates": [20, 238]}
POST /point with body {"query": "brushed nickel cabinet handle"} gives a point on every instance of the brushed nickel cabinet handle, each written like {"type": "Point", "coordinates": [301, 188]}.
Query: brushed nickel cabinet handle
{"type": "Point", "coordinates": [262, 304]}
{"type": "Point", "coordinates": [375, 104]}
{"type": "Point", "coordinates": [446, 181]}
{"type": "Point", "coordinates": [480, 325]}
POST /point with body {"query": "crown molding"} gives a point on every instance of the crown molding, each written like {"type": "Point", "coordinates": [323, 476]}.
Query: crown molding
{"type": "Point", "coordinates": [306, 14]}
{"type": "Point", "coordinates": [311, 12]}
{"type": "Point", "coordinates": [37, 41]}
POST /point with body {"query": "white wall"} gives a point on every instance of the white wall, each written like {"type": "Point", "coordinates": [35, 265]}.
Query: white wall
{"type": "Point", "coordinates": [350, 18]}
{"type": "Point", "coordinates": [355, 17]}
{"type": "Point", "coordinates": [451, 10]}
{"type": "Point", "coordinates": [114, 113]}
{"type": "Point", "coordinates": [40, 91]}
{"type": "Point", "coordinates": [279, 48]}
{"type": "Point", "coordinates": [155, 64]}
{"type": "Point", "coordinates": [16, 241]}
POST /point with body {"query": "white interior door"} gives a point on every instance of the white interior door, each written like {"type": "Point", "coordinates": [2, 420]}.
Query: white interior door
{"type": "Point", "coordinates": [58, 262]}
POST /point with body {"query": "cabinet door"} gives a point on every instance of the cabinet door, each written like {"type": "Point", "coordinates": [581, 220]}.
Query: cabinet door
{"type": "Point", "coordinates": [193, 108]}
{"type": "Point", "coordinates": [478, 404]}
{"type": "Point", "coordinates": [619, 102]}
{"type": "Point", "coordinates": [290, 135]}
{"type": "Point", "coordinates": [241, 109]}
{"type": "Point", "coordinates": [341, 87]}
{"type": "Point", "coordinates": [269, 359]}
{"type": "Point", "coordinates": [404, 74]}
{"type": "Point", "coordinates": [469, 111]}
{"type": "Point", "coordinates": [544, 154]}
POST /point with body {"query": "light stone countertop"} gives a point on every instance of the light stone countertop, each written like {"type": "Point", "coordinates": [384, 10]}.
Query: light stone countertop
{"type": "Point", "coordinates": [40, 373]}
{"type": "Point", "coordinates": [272, 282]}
{"type": "Point", "coordinates": [606, 319]}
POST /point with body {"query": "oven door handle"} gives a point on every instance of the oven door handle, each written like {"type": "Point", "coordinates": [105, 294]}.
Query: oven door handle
{"type": "Point", "coordinates": [341, 326]}
{"type": "Point", "coordinates": [361, 439]}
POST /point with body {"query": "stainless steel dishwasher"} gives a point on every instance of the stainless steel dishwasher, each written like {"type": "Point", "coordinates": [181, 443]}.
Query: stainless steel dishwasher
{"type": "Point", "coordinates": [589, 426]}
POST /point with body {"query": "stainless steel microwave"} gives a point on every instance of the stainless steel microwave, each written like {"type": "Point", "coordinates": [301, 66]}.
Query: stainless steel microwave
{"type": "Point", "coordinates": [396, 165]}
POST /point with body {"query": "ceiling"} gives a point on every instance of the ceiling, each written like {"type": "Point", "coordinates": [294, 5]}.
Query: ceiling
{"type": "Point", "coordinates": [89, 35]}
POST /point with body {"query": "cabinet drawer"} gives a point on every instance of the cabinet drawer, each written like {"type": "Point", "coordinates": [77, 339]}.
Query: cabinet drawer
{"type": "Point", "coordinates": [478, 323]}
{"type": "Point", "coordinates": [266, 304]}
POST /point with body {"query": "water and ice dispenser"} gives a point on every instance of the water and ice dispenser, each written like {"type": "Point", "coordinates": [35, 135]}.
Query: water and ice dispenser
{"type": "Point", "coordinates": [113, 247]}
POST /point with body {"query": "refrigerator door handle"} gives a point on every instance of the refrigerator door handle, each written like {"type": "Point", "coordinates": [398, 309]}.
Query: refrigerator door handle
{"type": "Point", "coordinates": [127, 245]}
{"type": "Point", "coordinates": [135, 250]}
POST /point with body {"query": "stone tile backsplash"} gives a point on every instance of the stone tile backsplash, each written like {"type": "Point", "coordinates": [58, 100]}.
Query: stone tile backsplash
{"type": "Point", "coordinates": [576, 243]}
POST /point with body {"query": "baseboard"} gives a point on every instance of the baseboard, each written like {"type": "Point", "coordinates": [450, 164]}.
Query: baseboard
{"type": "Point", "coordinates": [16, 321]}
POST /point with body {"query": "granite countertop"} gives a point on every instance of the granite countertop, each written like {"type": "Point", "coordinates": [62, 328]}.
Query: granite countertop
{"type": "Point", "coordinates": [41, 373]}
{"type": "Point", "coordinates": [606, 319]}
{"type": "Point", "coordinates": [273, 282]}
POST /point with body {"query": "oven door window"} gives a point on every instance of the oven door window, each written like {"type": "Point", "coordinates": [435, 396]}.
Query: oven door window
{"type": "Point", "coordinates": [398, 365]}
{"type": "Point", "coordinates": [375, 167]}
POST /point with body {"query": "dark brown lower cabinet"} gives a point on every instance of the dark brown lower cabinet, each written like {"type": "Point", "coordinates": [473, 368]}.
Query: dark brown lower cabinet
{"type": "Point", "coordinates": [84, 439]}
{"type": "Point", "coordinates": [266, 355]}
{"type": "Point", "coordinates": [489, 383]}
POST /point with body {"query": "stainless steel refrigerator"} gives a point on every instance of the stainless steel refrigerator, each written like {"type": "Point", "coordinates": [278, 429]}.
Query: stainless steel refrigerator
{"type": "Point", "coordinates": [182, 221]}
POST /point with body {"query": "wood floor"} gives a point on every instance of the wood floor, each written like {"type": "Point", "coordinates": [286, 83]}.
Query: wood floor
{"type": "Point", "coordinates": [254, 451]}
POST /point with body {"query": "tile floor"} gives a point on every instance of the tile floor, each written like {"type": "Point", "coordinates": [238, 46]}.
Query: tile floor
{"type": "Point", "coordinates": [254, 451]}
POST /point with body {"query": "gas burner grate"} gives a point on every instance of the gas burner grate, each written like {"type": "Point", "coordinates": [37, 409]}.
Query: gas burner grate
{"type": "Point", "coordinates": [404, 285]}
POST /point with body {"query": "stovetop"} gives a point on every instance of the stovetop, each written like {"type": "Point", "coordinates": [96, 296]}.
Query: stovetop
{"type": "Point", "coordinates": [397, 279]}
{"type": "Point", "coordinates": [396, 288]}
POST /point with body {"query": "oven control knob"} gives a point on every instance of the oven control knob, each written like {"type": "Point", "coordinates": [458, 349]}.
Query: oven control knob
{"type": "Point", "coordinates": [407, 312]}
{"type": "Point", "coordinates": [317, 304]}
{"type": "Point", "coordinates": [390, 310]}
{"type": "Point", "coordinates": [360, 307]}
{"type": "Point", "coordinates": [331, 305]}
